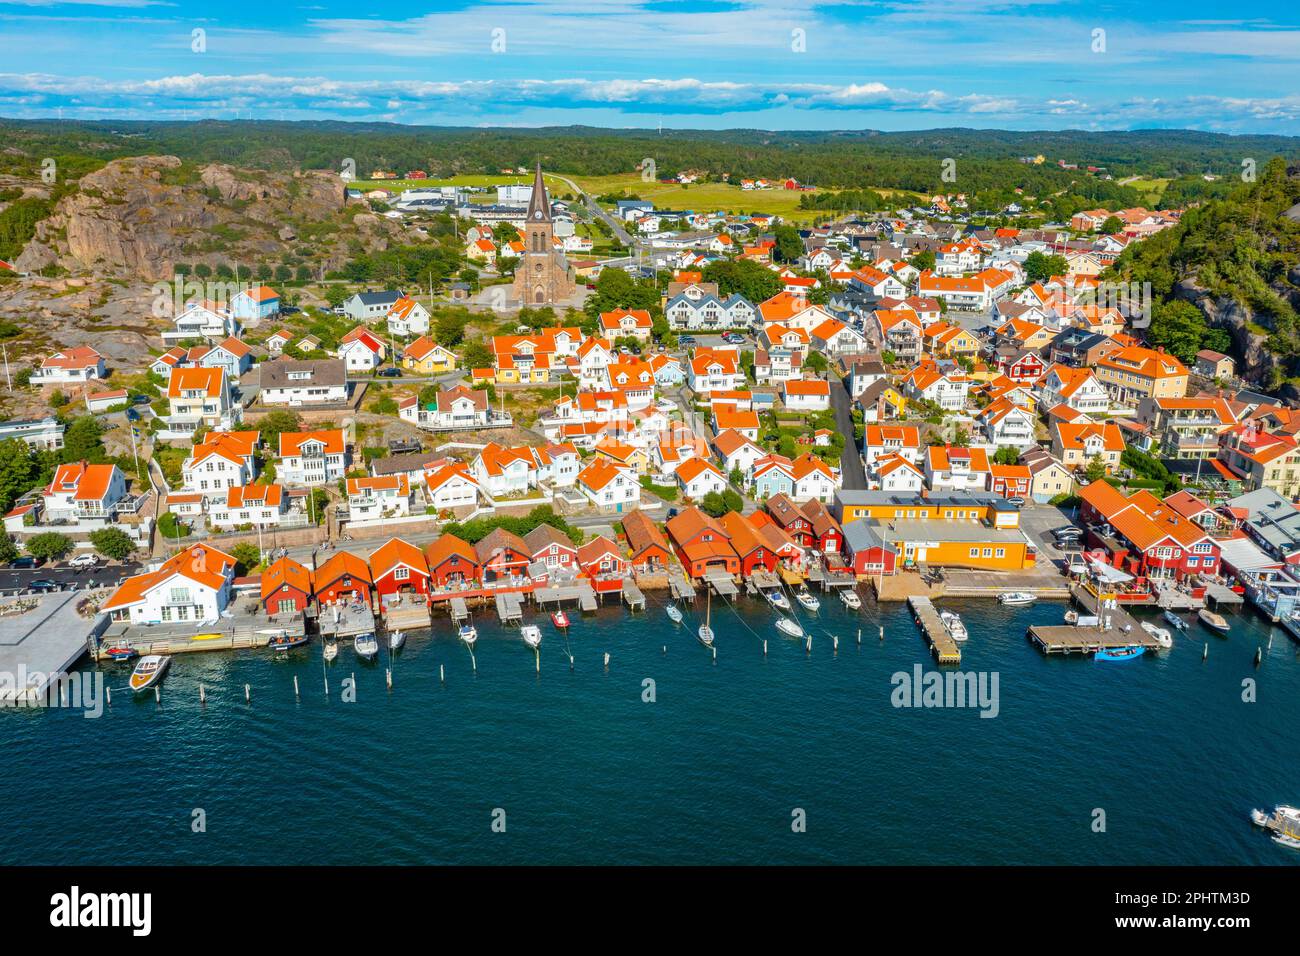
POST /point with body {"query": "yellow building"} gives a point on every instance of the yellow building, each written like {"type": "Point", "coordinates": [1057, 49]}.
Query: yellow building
{"type": "Point", "coordinates": [1133, 373]}
{"type": "Point", "coordinates": [627, 456]}
{"type": "Point", "coordinates": [949, 341]}
{"type": "Point", "coordinates": [970, 529]}
{"type": "Point", "coordinates": [428, 357]}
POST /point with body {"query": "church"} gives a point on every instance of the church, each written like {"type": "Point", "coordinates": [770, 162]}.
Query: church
{"type": "Point", "coordinates": [542, 276]}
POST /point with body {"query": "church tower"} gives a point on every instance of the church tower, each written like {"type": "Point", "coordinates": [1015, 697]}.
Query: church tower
{"type": "Point", "coordinates": [542, 275]}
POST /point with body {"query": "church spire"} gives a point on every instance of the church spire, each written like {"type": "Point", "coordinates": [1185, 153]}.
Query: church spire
{"type": "Point", "coordinates": [539, 205]}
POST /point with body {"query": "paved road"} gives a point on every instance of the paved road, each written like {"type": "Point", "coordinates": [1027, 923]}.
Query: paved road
{"type": "Point", "coordinates": [853, 475]}
{"type": "Point", "coordinates": [12, 579]}
{"type": "Point", "coordinates": [595, 209]}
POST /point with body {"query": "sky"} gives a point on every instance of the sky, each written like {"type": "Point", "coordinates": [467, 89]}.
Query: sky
{"type": "Point", "coordinates": [845, 64]}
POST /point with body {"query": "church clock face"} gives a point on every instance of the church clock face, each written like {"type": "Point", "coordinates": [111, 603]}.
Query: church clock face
{"type": "Point", "coordinates": [538, 267]}
{"type": "Point", "coordinates": [538, 214]}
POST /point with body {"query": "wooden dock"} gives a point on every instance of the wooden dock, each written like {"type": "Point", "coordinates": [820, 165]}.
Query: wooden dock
{"type": "Point", "coordinates": [632, 595]}
{"type": "Point", "coordinates": [510, 608]}
{"type": "Point", "coordinates": [944, 648]}
{"type": "Point", "coordinates": [681, 587]}
{"type": "Point", "coordinates": [723, 585]}
{"type": "Point", "coordinates": [1069, 639]}
{"type": "Point", "coordinates": [1220, 594]}
{"type": "Point", "coordinates": [345, 620]}
{"type": "Point", "coordinates": [459, 609]}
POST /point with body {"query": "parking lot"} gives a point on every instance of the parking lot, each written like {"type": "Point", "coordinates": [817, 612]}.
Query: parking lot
{"type": "Point", "coordinates": [18, 580]}
{"type": "Point", "coordinates": [1039, 521]}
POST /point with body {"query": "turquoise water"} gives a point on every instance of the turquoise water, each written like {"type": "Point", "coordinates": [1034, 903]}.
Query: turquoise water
{"type": "Point", "coordinates": [710, 772]}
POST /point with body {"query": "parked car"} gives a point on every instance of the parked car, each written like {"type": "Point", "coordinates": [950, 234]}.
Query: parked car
{"type": "Point", "coordinates": [84, 561]}
{"type": "Point", "coordinates": [685, 340]}
{"type": "Point", "coordinates": [733, 338]}
{"type": "Point", "coordinates": [1017, 501]}
{"type": "Point", "coordinates": [25, 562]}
{"type": "Point", "coordinates": [666, 405]}
{"type": "Point", "coordinates": [390, 372]}
{"type": "Point", "coordinates": [43, 584]}
{"type": "Point", "coordinates": [289, 310]}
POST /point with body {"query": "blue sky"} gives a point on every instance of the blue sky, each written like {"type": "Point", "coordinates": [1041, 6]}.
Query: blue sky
{"type": "Point", "coordinates": [849, 64]}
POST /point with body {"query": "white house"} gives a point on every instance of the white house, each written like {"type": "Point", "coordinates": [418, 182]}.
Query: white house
{"type": "Point", "coordinates": [609, 487]}
{"type": "Point", "coordinates": [407, 317]}
{"type": "Point", "coordinates": [505, 471]}
{"type": "Point", "coordinates": [737, 451]}
{"type": "Point", "coordinates": [206, 320]}
{"type": "Point", "coordinates": [1077, 388]}
{"type": "Point", "coordinates": [813, 395]}
{"type": "Point", "coordinates": [896, 473]}
{"type": "Point", "coordinates": [223, 460]}
{"type": "Point", "coordinates": [813, 478]}
{"type": "Point", "coordinates": [946, 389]}
{"type": "Point", "coordinates": [450, 487]}
{"type": "Point", "coordinates": [312, 458]}
{"type": "Point", "coordinates": [82, 490]}
{"type": "Point", "coordinates": [881, 441]}
{"type": "Point", "coordinates": [697, 477]}
{"type": "Point", "coordinates": [1006, 423]}
{"type": "Point", "coordinates": [305, 382]}
{"type": "Point", "coordinates": [74, 366]}
{"type": "Point", "coordinates": [383, 496]}
{"type": "Point", "coordinates": [950, 468]}
{"type": "Point", "coordinates": [361, 350]}
{"type": "Point", "coordinates": [192, 586]}
{"type": "Point", "coordinates": [262, 506]}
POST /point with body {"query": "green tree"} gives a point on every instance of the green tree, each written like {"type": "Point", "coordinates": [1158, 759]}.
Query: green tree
{"type": "Point", "coordinates": [49, 545]}
{"type": "Point", "coordinates": [276, 422]}
{"type": "Point", "coordinates": [247, 557]}
{"type": "Point", "coordinates": [8, 548]}
{"type": "Point", "coordinates": [1096, 469]}
{"type": "Point", "coordinates": [171, 528]}
{"type": "Point", "coordinates": [1111, 226]}
{"type": "Point", "coordinates": [1040, 267]}
{"type": "Point", "coordinates": [789, 246]}
{"type": "Point", "coordinates": [923, 260]}
{"type": "Point", "coordinates": [19, 472]}
{"type": "Point", "coordinates": [1006, 455]}
{"type": "Point", "coordinates": [816, 362]}
{"type": "Point", "coordinates": [113, 543]}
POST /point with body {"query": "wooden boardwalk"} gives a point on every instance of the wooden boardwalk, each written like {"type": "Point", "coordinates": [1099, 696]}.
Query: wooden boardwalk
{"type": "Point", "coordinates": [510, 607]}
{"type": "Point", "coordinates": [459, 609]}
{"type": "Point", "coordinates": [680, 586]}
{"type": "Point", "coordinates": [723, 585]}
{"type": "Point", "coordinates": [942, 645]}
{"type": "Point", "coordinates": [632, 595]}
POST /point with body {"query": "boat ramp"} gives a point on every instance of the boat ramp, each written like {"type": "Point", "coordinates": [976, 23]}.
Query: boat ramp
{"type": "Point", "coordinates": [942, 645]}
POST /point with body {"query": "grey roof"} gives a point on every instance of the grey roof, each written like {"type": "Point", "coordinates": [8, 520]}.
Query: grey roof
{"type": "Point", "coordinates": [863, 535]}
{"type": "Point", "coordinates": [850, 496]}
{"type": "Point", "coordinates": [275, 374]}
{"type": "Point", "coordinates": [401, 464]}
{"type": "Point", "coordinates": [378, 298]}
{"type": "Point", "coordinates": [1272, 519]}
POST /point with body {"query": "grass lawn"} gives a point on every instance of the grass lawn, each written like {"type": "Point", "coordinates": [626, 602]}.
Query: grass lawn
{"type": "Point", "coordinates": [1153, 188]}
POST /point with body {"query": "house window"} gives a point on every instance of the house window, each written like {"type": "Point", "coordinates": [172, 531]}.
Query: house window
{"type": "Point", "coordinates": [402, 574]}
{"type": "Point", "coordinates": [974, 552]}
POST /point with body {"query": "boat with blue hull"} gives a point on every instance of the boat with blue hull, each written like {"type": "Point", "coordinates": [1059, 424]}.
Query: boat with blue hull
{"type": "Point", "coordinates": [1130, 652]}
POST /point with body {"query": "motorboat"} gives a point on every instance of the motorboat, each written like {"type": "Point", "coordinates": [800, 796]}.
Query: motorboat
{"type": "Point", "coordinates": [120, 652]}
{"type": "Point", "coordinates": [1215, 622]}
{"type": "Point", "coordinates": [148, 671]}
{"type": "Point", "coordinates": [952, 621]}
{"type": "Point", "coordinates": [283, 641]}
{"type": "Point", "coordinates": [706, 629]}
{"type": "Point", "coordinates": [1283, 822]}
{"type": "Point", "coordinates": [559, 619]}
{"type": "Point", "coordinates": [808, 599]}
{"type": "Point", "coordinates": [673, 613]}
{"type": "Point", "coordinates": [1162, 637]}
{"type": "Point", "coordinates": [395, 640]}
{"type": "Point", "coordinates": [777, 599]}
{"type": "Point", "coordinates": [468, 633]}
{"type": "Point", "coordinates": [366, 646]}
{"type": "Point", "coordinates": [1127, 652]}
{"type": "Point", "coordinates": [331, 650]}
{"type": "Point", "coordinates": [851, 599]}
{"type": "Point", "coordinates": [532, 635]}
{"type": "Point", "coordinates": [1016, 598]}
{"type": "Point", "coordinates": [1175, 620]}
{"type": "Point", "coordinates": [787, 626]}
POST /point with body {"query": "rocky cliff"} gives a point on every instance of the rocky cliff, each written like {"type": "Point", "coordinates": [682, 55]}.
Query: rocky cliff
{"type": "Point", "coordinates": [138, 218]}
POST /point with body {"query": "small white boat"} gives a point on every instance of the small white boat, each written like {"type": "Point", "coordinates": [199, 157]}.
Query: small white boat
{"type": "Point", "coordinates": [952, 621]}
{"type": "Point", "coordinates": [850, 599]}
{"type": "Point", "coordinates": [1162, 637]}
{"type": "Point", "coordinates": [366, 646]}
{"type": "Point", "coordinates": [1287, 841]}
{"type": "Point", "coordinates": [148, 671]}
{"type": "Point", "coordinates": [777, 599]}
{"type": "Point", "coordinates": [532, 635]}
{"type": "Point", "coordinates": [674, 615]}
{"type": "Point", "coordinates": [395, 640]}
{"type": "Point", "coordinates": [1175, 620]}
{"type": "Point", "coordinates": [1215, 622]}
{"type": "Point", "coordinates": [331, 650]}
{"type": "Point", "coordinates": [808, 599]}
{"type": "Point", "coordinates": [787, 626]}
{"type": "Point", "coordinates": [1016, 598]}
{"type": "Point", "coordinates": [468, 633]}
{"type": "Point", "coordinates": [705, 632]}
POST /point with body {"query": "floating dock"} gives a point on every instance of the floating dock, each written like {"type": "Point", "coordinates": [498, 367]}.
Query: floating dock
{"type": "Point", "coordinates": [942, 645]}
{"type": "Point", "coordinates": [41, 642]}
{"type": "Point", "coordinates": [1069, 639]}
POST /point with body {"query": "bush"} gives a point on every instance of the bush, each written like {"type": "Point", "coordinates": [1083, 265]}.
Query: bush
{"type": "Point", "coordinates": [49, 545]}
{"type": "Point", "coordinates": [169, 526]}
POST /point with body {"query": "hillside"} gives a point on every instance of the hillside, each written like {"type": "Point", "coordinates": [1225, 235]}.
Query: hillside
{"type": "Point", "coordinates": [1237, 260]}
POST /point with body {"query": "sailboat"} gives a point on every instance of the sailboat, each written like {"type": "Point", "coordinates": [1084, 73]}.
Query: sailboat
{"type": "Point", "coordinates": [395, 640]}
{"type": "Point", "coordinates": [706, 631]}
{"type": "Point", "coordinates": [468, 632]}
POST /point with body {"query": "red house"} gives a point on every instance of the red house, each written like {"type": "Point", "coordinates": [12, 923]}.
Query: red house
{"type": "Point", "coordinates": [551, 547]}
{"type": "Point", "coordinates": [826, 534]}
{"type": "Point", "coordinates": [286, 588]}
{"type": "Point", "coordinates": [702, 545]}
{"type": "Point", "coordinates": [342, 579]}
{"type": "Point", "coordinates": [1010, 481]}
{"type": "Point", "coordinates": [399, 568]}
{"type": "Point", "coordinates": [791, 520]}
{"type": "Point", "coordinates": [503, 558]}
{"type": "Point", "coordinates": [866, 552]}
{"type": "Point", "coordinates": [1024, 369]}
{"type": "Point", "coordinates": [1148, 538]}
{"type": "Point", "coordinates": [754, 553]}
{"type": "Point", "coordinates": [601, 560]}
{"type": "Point", "coordinates": [650, 551]}
{"type": "Point", "coordinates": [452, 563]}
{"type": "Point", "coordinates": [788, 551]}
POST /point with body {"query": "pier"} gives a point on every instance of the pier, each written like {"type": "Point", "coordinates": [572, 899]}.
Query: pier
{"type": "Point", "coordinates": [1069, 639]}
{"type": "Point", "coordinates": [722, 585]}
{"type": "Point", "coordinates": [579, 590]}
{"type": "Point", "coordinates": [942, 645]}
{"type": "Point", "coordinates": [680, 586]}
{"type": "Point", "coordinates": [510, 607]}
{"type": "Point", "coordinates": [42, 642]}
{"type": "Point", "coordinates": [345, 620]}
{"type": "Point", "coordinates": [632, 595]}
{"type": "Point", "coordinates": [1221, 594]}
{"type": "Point", "coordinates": [459, 610]}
